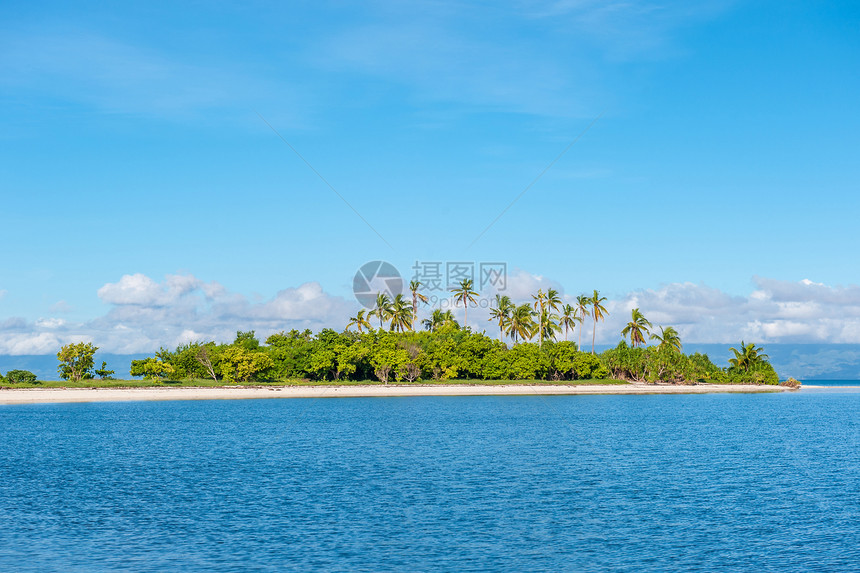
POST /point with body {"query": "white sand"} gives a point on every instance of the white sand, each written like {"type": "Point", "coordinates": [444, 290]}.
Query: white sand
{"type": "Point", "coordinates": [47, 395]}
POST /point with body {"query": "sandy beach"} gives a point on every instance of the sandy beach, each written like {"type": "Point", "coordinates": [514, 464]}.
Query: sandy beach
{"type": "Point", "coordinates": [59, 395]}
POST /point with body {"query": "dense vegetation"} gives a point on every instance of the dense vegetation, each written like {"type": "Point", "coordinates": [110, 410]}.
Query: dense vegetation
{"type": "Point", "coordinates": [449, 352]}
{"type": "Point", "coordinates": [666, 364]}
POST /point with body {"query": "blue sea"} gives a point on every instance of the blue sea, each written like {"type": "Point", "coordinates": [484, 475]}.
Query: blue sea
{"type": "Point", "coordinates": [721, 482]}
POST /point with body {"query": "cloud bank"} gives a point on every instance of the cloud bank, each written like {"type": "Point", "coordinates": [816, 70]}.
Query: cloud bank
{"type": "Point", "coordinates": [146, 314]}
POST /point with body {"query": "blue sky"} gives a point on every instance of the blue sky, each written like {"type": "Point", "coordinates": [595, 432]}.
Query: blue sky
{"type": "Point", "coordinates": [723, 158]}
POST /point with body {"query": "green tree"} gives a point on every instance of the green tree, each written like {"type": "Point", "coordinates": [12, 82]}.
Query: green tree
{"type": "Point", "coordinates": [582, 302]}
{"type": "Point", "coordinates": [400, 314]}
{"type": "Point", "coordinates": [464, 293]}
{"type": "Point", "coordinates": [748, 357]}
{"type": "Point", "coordinates": [549, 323]}
{"type": "Point", "coordinates": [104, 373]}
{"type": "Point", "coordinates": [359, 321]}
{"type": "Point", "coordinates": [526, 362]}
{"type": "Point", "coordinates": [247, 340]}
{"type": "Point", "coordinates": [387, 358]}
{"type": "Point", "coordinates": [637, 328]}
{"type": "Point", "coordinates": [414, 287]}
{"type": "Point", "coordinates": [291, 352]}
{"type": "Point", "coordinates": [352, 359]}
{"type": "Point", "coordinates": [207, 356]}
{"type": "Point", "coordinates": [540, 308]}
{"type": "Point", "coordinates": [567, 363]}
{"type": "Point", "coordinates": [568, 319]}
{"type": "Point", "coordinates": [553, 300]}
{"type": "Point", "coordinates": [668, 338]}
{"type": "Point", "coordinates": [548, 326]}
{"type": "Point", "coordinates": [501, 312]}
{"type": "Point", "coordinates": [382, 310]}
{"type": "Point", "coordinates": [76, 361]}
{"type": "Point", "coordinates": [238, 364]}
{"type": "Point", "coordinates": [152, 368]}
{"type": "Point", "coordinates": [522, 324]}
{"type": "Point", "coordinates": [598, 312]}
{"type": "Point", "coordinates": [438, 319]}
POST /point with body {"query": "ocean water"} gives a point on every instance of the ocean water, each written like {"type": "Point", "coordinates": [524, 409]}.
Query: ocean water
{"type": "Point", "coordinates": [516, 483]}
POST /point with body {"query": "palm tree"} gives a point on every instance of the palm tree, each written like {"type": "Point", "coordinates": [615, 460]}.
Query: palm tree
{"type": "Point", "coordinates": [668, 338]}
{"type": "Point", "coordinates": [416, 298]}
{"type": "Point", "coordinates": [637, 328]}
{"type": "Point", "coordinates": [382, 310]}
{"type": "Point", "coordinates": [521, 323]}
{"type": "Point", "coordinates": [501, 312]}
{"type": "Point", "coordinates": [748, 357]}
{"type": "Point", "coordinates": [598, 312]}
{"type": "Point", "coordinates": [400, 314]}
{"type": "Point", "coordinates": [359, 321]}
{"type": "Point", "coordinates": [582, 308]}
{"type": "Point", "coordinates": [545, 304]}
{"type": "Point", "coordinates": [540, 308]}
{"type": "Point", "coordinates": [553, 300]}
{"type": "Point", "coordinates": [548, 326]}
{"type": "Point", "coordinates": [437, 319]}
{"type": "Point", "coordinates": [465, 294]}
{"type": "Point", "coordinates": [568, 318]}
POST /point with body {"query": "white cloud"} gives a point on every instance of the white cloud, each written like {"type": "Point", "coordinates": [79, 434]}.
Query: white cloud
{"type": "Point", "coordinates": [50, 323]}
{"type": "Point", "coordinates": [776, 311]}
{"type": "Point", "coordinates": [146, 314]}
{"type": "Point", "coordinates": [140, 290]}
{"type": "Point", "coordinates": [35, 343]}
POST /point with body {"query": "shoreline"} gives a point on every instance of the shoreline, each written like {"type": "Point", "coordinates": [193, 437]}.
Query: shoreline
{"type": "Point", "coordinates": [77, 395]}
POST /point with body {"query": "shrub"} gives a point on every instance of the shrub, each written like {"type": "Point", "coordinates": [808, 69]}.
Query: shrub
{"type": "Point", "coordinates": [151, 368]}
{"type": "Point", "coordinates": [21, 377]}
{"type": "Point", "coordinates": [762, 373]}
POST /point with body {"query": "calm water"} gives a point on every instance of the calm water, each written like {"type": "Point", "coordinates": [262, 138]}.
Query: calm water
{"type": "Point", "coordinates": [576, 483]}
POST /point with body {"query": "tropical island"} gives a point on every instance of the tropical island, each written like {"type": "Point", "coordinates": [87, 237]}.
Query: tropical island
{"type": "Point", "coordinates": [442, 352]}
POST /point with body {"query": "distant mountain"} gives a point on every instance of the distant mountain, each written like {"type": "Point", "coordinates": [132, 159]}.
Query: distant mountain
{"type": "Point", "coordinates": [801, 361]}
